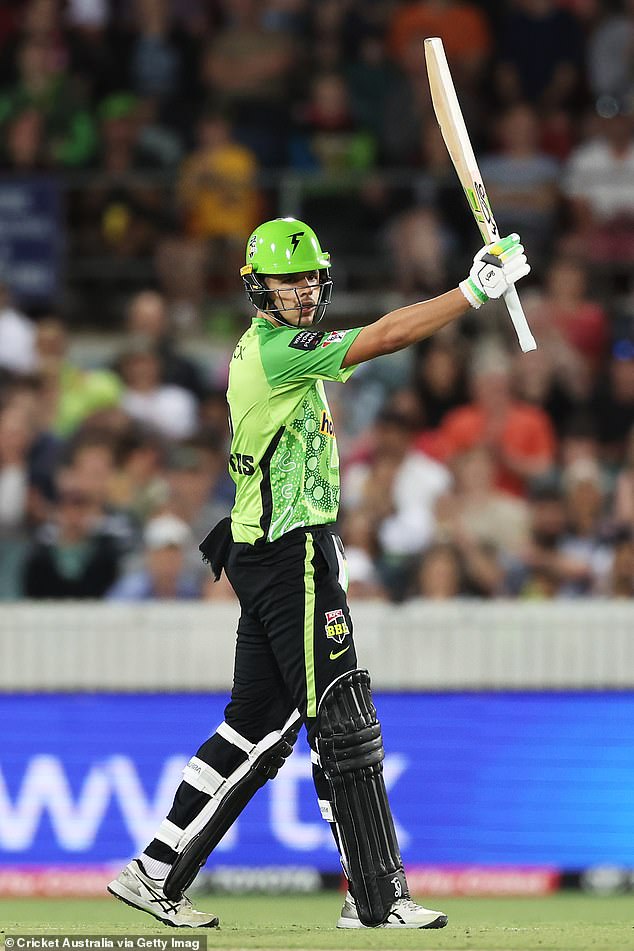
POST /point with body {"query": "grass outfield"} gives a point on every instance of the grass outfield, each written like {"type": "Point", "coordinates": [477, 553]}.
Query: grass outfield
{"type": "Point", "coordinates": [565, 921]}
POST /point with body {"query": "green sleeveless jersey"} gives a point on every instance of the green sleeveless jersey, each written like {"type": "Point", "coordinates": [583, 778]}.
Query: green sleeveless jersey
{"type": "Point", "coordinates": [284, 457]}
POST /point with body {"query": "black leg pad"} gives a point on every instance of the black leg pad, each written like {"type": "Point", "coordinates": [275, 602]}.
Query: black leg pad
{"type": "Point", "coordinates": [350, 748]}
{"type": "Point", "coordinates": [197, 851]}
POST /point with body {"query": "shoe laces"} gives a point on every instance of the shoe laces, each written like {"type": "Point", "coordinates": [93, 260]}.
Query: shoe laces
{"type": "Point", "coordinates": [407, 903]}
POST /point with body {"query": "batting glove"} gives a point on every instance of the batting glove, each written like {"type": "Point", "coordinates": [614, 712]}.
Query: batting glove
{"type": "Point", "coordinates": [496, 267]}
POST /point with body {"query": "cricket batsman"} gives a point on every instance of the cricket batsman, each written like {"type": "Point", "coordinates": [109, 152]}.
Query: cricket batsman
{"type": "Point", "coordinates": [295, 660]}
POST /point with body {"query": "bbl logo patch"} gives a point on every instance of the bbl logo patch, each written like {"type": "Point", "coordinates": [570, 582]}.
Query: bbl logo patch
{"type": "Point", "coordinates": [336, 627]}
{"type": "Point", "coordinates": [253, 245]}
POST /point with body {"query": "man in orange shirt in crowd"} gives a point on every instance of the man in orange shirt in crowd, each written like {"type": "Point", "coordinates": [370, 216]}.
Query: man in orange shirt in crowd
{"type": "Point", "coordinates": [519, 435]}
{"type": "Point", "coordinates": [462, 26]}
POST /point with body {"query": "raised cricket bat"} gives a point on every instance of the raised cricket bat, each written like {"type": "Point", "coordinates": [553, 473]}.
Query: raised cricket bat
{"type": "Point", "coordinates": [454, 132]}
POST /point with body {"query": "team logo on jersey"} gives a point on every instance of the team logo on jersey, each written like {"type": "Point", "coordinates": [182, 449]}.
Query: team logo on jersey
{"type": "Point", "coordinates": [307, 340]}
{"type": "Point", "coordinates": [336, 336]}
{"type": "Point", "coordinates": [326, 425]}
{"type": "Point", "coordinates": [253, 245]}
{"type": "Point", "coordinates": [336, 627]}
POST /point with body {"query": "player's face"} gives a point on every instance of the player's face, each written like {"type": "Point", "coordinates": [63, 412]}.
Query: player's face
{"type": "Point", "coordinates": [296, 296]}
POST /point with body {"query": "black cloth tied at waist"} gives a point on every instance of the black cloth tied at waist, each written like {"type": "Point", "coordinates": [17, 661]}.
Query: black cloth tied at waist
{"type": "Point", "coordinates": [215, 546]}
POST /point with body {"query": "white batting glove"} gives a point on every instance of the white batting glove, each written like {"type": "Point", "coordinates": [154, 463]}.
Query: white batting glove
{"type": "Point", "coordinates": [496, 267]}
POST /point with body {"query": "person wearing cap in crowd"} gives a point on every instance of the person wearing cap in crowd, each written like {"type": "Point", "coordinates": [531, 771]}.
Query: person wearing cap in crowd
{"type": "Point", "coordinates": [168, 409]}
{"type": "Point", "coordinates": [163, 575]}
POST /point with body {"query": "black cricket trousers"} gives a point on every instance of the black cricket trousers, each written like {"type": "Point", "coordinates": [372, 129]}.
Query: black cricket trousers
{"type": "Point", "coordinates": [294, 638]}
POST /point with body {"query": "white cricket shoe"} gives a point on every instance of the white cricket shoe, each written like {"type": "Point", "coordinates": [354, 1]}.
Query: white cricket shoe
{"type": "Point", "coordinates": [404, 913]}
{"type": "Point", "coordinates": [136, 888]}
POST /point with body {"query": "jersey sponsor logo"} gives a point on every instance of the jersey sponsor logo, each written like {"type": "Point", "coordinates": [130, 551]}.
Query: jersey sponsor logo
{"type": "Point", "coordinates": [335, 654]}
{"type": "Point", "coordinates": [336, 336]}
{"type": "Point", "coordinates": [336, 627]}
{"type": "Point", "coordinates": [326, 425]}
{"type": "Point", "coordinates": [241, 463]}
{"type": "Point", "coordinates": [295, 240]}
{"type": "Point", "coordinates": [307, 340]}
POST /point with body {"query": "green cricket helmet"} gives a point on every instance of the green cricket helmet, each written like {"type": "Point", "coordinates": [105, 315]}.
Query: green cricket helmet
{"type": "Point", "coordinates": [279, 247]}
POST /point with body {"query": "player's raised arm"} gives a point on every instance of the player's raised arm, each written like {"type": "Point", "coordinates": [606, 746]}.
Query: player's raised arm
{"type": "Point", "coordinates": [496, 267]}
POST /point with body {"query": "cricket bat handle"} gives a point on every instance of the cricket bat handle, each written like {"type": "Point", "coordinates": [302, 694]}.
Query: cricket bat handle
{"type": "Point", "coordinates": [517, 315]}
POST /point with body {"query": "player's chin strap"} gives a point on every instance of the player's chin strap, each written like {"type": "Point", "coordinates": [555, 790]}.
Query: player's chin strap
{"type": "Point", "coordinates": [228, 797]}
{"type": "Point", "coordinates": [350, 749]}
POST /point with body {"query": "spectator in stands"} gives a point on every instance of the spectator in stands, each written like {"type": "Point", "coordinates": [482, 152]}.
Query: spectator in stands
{"type": "Point", "coordinates": [163, 576]}
{"type": "Point", "coordinates": [462, 26]}
{"type": "Point", "coordinates": [331, 141]}
{"type": "Point", "coordinates": [147, 317]}
{"type": "Point", "coordinates": [324, 35]}
{"type": "Point", "coordinates": [24, 150]}
{"type": "Point", "coordinates": [613, 401]}
{"type": "Point", "coordinates": [440, 574]}
{"type": "Point", "coordinates": [401, 487]}
{"type": "Point", "coordinates": [75, 393]}
{"type": "Point", "coordinates": [41, 85]}
{"type": "Point", "coordinates": [168, 409]}
{"type": "Point", "coordinates": [584, 555]}
{"type": "Point", "coordinates": [477, 512]}
{"type": "Point", "coordinates": [97, 49]}
{"type": "Point", "coordinates": [155, 59]}
{"type": "Point", "coordinates": [439, 378]}
{"type": "Point", "coordinates": [541, 570]}
{"type": "Point", "coordinates": [139, 485]}
{"type": "Point", "coordinates": [428, 230]}
{"type": "Point", "coordinates": [17, 337]}
{"type": "Point", "coordinates": [219, 205]}
{"type": "Point", "coordinates": [609, 54]}
{"type": "Point", "coordinates": [195, 474]}
{"type": "Point", "coordinates": [552, 79]}
{"type": "Point", "coordinates": [599, 184]}
{"type": "Point", "coordinates": [620, 579]}
{"type": "Point", "coordinates": [623, 513]}
{"type": "Point", "coordinates": [122, 214]}
{"type": "Point", "coordinates": [214, 413]}
{"type": "Point", "coordinates": [71, 557]}
{"type": "Point", "coordinates": [563, 314]}
{"type": "Point", "coordinates": [26, 396]}
{"type": "Point", "coordinates": [92, 455]}
{"type": "Point", "coordinates": [520, 436]}
{"type": "Point", "coordinates": [579, 440]}
{"type": "Point", "coordinates": [371, 81]}
{"type": "Point", "coordinates": [522, 182]}
{"type": "Point", "coordinates": [247, 70]}
{"type": "Point", "coordinates": [359, 535]}
{"type": "Point", "coordinates": [553, 379]}
{"type": "Point", "coordinates": [16, 438]}
{"type": "Point", "coordinates": [216, 188]}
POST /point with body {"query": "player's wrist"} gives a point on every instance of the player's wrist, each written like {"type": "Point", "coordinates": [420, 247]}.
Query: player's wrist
{"type": "Point", "coordinates": [475, 295]}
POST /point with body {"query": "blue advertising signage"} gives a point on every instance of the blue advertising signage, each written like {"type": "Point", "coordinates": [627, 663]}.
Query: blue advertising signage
{"type": "Point", "coordinates": [30, 238]}
{"type": "Point", "coordinates": [492, 779]}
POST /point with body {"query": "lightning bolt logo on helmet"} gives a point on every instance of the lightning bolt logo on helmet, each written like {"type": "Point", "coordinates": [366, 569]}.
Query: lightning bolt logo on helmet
{"type": "Point", "coordinates": [295, 240]}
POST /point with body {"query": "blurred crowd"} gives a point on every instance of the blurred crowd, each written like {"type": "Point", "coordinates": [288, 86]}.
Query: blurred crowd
{"type": "Point", "coordinates": [469, 469]}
